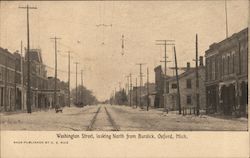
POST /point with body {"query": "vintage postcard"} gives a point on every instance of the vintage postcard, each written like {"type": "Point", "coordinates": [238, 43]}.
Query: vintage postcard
{"type": "Point", "coordinates": [124, 78]}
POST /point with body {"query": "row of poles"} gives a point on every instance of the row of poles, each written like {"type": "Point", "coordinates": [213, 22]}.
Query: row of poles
{"type": "Point", "coordinates": [29, 110]}
{"type": "Point", "coordinates": [27, 7]}
{"type": "Point", "coordinates": [165, 61]}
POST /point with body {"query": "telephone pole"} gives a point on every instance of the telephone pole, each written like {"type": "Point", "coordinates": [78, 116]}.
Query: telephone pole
{"type": "Point", "coordinates": [76, 83]}
{"type": "Point", "coordinates": [27, 7]}
{"type": "Point", "coordinates": [69, 78]}
{"type": "Point", "coordinates": [226, 19]}
{"type": "Point", "coordinates": [165, 43]}
{"type": "Point", "coordinates": [177, 80]}
{"type": "Point", "coordinates": [127, 85]}
{"type": "Point", "coordinates": [81, 87]}
{"type": "Point", "coordinates": [147, 89]}
{"type": "Point", "coordinates": [22, 102]}
{"type": "Point", "coordinates": [197, 77]}
{"type": "Point", "coordinates": [136, 92]}
{"type": "Point", "coordinates": [141, 82]}
{"type": "Point", "coordinates": [120, 88]}
{"type": "Point", "coordinates": [55, 90]}
{"type": "Point", "coordinates": [115, 95]}
{"type": "Point", "coordinates": [131, 89]}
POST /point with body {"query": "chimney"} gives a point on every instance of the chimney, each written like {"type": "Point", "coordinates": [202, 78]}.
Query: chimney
{"type": "Point", "coordinates": [188, 66]}
{"type": "Point", "coordinates": [201, 61]}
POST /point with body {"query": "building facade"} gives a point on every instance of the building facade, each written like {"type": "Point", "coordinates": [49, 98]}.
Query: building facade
{"type": "Point", "coordinates": [188, 89]}
{"type": "Point", "coordinates": [140, 94]}
{"type": "Point", "coordinates": [10, 81]}
{"type": "Point", "coordinates": [62, 93]}
{"type": "Point", "coordinates": [227, 75]}
{"type": "Point", "coordinates": [159, 87]}
{"type": "Point", "coordinates": [38, 79]}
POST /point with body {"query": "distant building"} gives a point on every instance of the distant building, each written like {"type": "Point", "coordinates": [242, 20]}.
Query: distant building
{"type": "Point", "coordinates": [159, 87]}
{"type": "Point", "coordinates": [187, 86]}
{"type": "Point", "coordinates": [144, 95]}
{"type": "Point", "coordinates": [227, 75]}
{"type": "Point", "coordinates": [151, 96]}
{"type": "Point", "coordinates": [62, 92]}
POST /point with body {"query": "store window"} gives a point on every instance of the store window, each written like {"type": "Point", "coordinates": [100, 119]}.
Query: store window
{"type": "Point", "coordinates": [189, 99]}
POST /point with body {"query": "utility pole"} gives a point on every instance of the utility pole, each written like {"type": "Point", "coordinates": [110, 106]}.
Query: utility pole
{"type": "Point", "coordinates": [22, 87]}
{"type": "Point", "coordinates": [69, 78]}
{"type": "Point", "coordinates": [15, 87]}
{"type": "Point", "coordinates": [115, 95]}
{"type": "Point", "coordinates": [226, 19]}
{"type": "Point", "coordinates": [55, 90]}
{"type": "Point", "coordinates": [165, 43]}
{"type": "Point", "coordinates": [177, 80]}
{"type": "Point", "coordinates": [81, 87]}
{"type": "Point", "coordinates": [197, 77]}
{"type": "Point", "coordinates": [127, 85]}
{"type": "Point", "coordinates": [136, 103]}
{"type": "Point", "coordinates": [103, 26]}
{"type": "Point", "coordinates": [27, 7]}
{"type": "Point", "coordinates": [76, 83]}
{"type": "Point", "coordinates": [131, 89]}
{"type": "Point", "coordinates": [5, 85]}
{"type": "Point", "coordinates": [141, 82]}
{"type": "Point", "coordinates": [120, 86]}
{"type": "Point", "coordinates": [147, 89]}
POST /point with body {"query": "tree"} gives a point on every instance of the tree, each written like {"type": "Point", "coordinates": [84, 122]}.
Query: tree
{"type": "Point", "coordinates": [120, 98]}
{"type": "Point", "coordinates": [84, 97]}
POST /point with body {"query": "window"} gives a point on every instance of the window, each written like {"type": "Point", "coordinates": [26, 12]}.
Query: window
{"type": "Point", "coordinates": [174, 85]}
{"type": "Point", "coordinates": [1, 96]}
{"type": "Point", "coordinates": [189, 99]}
{"type": "Point", "coordinates": [1, 74]}
{"type": "Point", "coordinates": [189, 83]}
{"type": "Point", "coordinates": [213, 69]}
{"type": "Point", "coordinates": [228, 64]}
{"type": "Point", "coordinates": [223, 66]}
{"type": "Point", "coordinates": [233, 62]}
{"type": "Point", "coordinates": [207, 69]}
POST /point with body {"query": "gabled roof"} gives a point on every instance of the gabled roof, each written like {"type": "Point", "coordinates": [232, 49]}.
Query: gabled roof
{"type": "Point", "coordinates": [189, 71]}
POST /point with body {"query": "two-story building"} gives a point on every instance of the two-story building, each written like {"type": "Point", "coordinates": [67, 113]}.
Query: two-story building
{"type": "Point", "coordinates": [188, 89]}
{"type": "Point", "coordinates": [227, 75]}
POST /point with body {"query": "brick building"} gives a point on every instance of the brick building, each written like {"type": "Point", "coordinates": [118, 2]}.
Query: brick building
{"type": "Point", "coordinates": [187, 85]}
{"type": "Point", "coordinates": [10, 81]}
{"type": "Point", "coordinates": [227, 75]}
{"type": "Point", "coordinates": [38, 78]}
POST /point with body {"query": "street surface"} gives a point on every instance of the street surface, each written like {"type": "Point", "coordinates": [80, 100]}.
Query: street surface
{"type": "Point", "coordinates": [114, 118]}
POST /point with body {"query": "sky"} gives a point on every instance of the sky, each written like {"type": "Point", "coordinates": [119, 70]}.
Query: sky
{"type": "Point", "coordinates": [141, 23]}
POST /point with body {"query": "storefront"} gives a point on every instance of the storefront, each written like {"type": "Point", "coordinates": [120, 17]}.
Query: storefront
{"type": "Point", "coordinates": [212, 99]}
